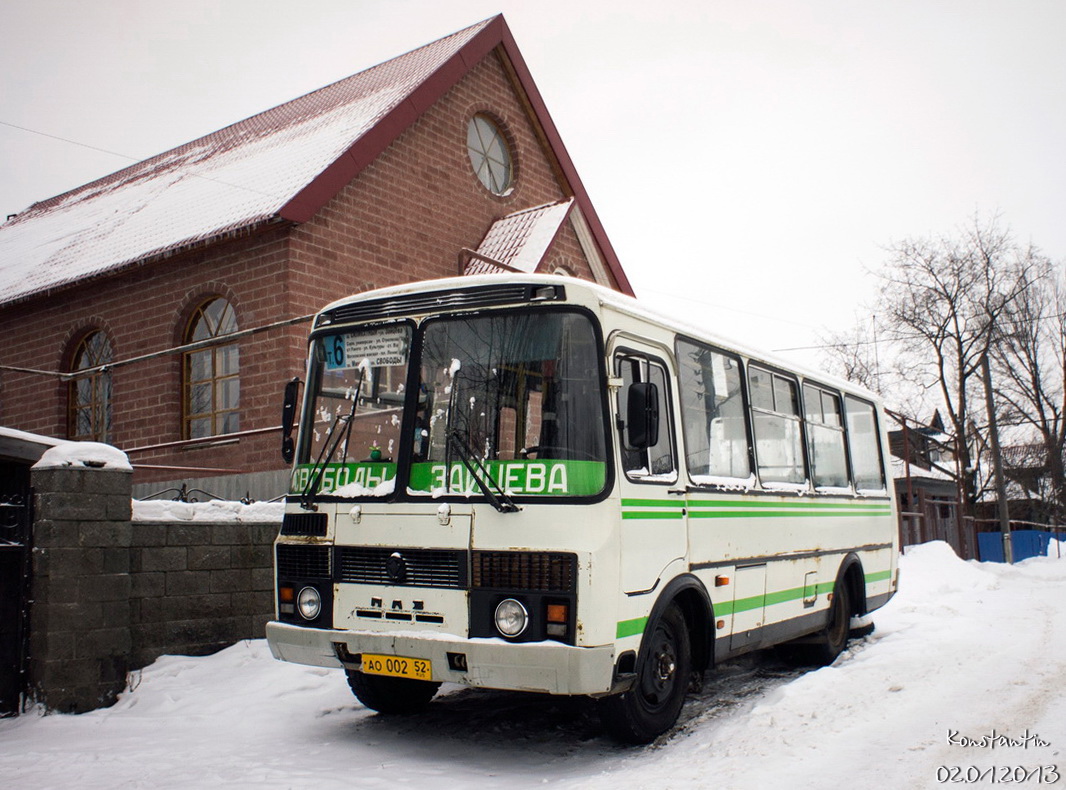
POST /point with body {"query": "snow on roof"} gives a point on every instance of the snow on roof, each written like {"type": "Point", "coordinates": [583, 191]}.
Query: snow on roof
{"type": "Point", "coordinates": [93, 455]}
{"type": "Point", "coordinates": [229, 180]}
{"type": "Point", "coordinates": [32, 438]}
{"type": "Point", "coordinates": [899, 471]}
{"type": "Point", "coordinates": [22, 446]}
{"type": "Point", "coordinates": [519, 241]}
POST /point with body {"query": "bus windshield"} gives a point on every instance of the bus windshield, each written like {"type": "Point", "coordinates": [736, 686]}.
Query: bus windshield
{"type": "Point", "coordinates": [349, 436]}
{"type": "Point", "coordinates": [507, 405]}
{"type": "Point", "coordinates": [522, 394]}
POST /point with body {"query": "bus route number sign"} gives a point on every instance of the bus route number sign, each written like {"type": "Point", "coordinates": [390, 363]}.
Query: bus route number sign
{"type": "Point", "coordinates": [376, 347]}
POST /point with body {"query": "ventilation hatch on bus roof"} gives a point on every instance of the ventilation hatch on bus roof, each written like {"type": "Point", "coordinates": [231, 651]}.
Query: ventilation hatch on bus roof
{"type": "Point", "coordinates": [442, 301]}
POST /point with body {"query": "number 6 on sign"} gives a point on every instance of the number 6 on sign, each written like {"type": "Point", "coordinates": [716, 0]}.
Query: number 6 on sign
{"type": "Point", "coordinates": [335, 352]}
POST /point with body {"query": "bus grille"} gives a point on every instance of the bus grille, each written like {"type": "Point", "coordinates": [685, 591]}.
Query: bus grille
{"type": "Point", "coordinates": [310, 524]}
{"type": "Point", "coordinates": [303, 562]}
{"type": "Point", "coordinates": [521, 570]}
{"type": "Point", "coordinates": [402, 567]}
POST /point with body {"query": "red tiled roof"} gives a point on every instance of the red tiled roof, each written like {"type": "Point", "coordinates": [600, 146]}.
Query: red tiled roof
{"type": "Point", "coordinates": [285, 163]}
{"type": "Point", "coordinates": [520, 240]}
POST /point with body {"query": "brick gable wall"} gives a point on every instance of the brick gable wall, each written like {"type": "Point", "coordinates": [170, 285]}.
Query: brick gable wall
{"type": "Point", "coordinates": [143, 311]}
{"type": "Point", "coordinates": [406, 217]}
{"type": "Point", "coordinates": [410, 212]}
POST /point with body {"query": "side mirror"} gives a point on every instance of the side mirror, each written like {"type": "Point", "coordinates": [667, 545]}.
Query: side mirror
{"type": "Point", "coordinates": [288, 418]}
{"type": "Point", "coordinates": [642, 415]}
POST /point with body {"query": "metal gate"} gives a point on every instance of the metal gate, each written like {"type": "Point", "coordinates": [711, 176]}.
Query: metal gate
{"type": "Point", "coordinates": [15, 520]}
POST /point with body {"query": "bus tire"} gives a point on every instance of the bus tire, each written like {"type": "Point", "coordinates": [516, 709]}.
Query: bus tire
{"type": "Point", "coordinates": [860, 626]}
{"type": "Point", "coordinates": [391, 695]}
{"type": "Point", "coordinates": [831, 640]}
{"type": "Point", "coordinates": [652, 704]}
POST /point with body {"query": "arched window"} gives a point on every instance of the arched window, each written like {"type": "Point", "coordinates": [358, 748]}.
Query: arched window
{"type": "Point", "coordinates": [212, 388]}
{"type": "Point", "coordinates": [89, 397]}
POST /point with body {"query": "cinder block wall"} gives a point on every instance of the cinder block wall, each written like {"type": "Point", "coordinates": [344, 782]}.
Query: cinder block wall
{"type": "Point", "coordinates": [197, 587]}
{"type": "Point", "coordinates": [110, 595]}
{"type": "Point", "coordinates": [80, 636]}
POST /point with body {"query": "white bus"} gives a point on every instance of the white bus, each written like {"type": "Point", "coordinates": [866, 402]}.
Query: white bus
{"type": "Point", "coordinates": [532, 483]}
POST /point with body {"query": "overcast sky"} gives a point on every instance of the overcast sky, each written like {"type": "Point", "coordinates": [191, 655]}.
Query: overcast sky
{"type": "Point", "coordinates": [750, 159]}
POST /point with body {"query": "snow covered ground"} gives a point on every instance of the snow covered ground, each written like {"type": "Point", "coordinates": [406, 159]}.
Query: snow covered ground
{"type": "Point", "coordinates": [965, 659]}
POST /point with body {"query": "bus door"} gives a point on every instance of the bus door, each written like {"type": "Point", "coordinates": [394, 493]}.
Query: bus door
{"type": "Point", "coordinates": [653, 530]}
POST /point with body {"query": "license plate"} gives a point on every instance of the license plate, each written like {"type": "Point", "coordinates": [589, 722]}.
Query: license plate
{"type": "Point", "coordinates": [397, 666]}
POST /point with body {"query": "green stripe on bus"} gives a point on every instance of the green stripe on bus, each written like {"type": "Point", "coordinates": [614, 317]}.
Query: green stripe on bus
{"type": "Point", "coordinates": [747, 504]}
{"type": "Point", "coordinates": [727, 608]}
{"type": "Point", "coordinates": [783, 596]}
{"type": "Point", "coordinates": [673, 509]}
{"type": "Point", "coordinates": [653, 503]}
{"type": "Point", "coordinates": [723, 508]}
{"type": "Point", "coordinates": [783, 509]}
{"type": "Point", "coordinates": [631, 627]}
{"type": "Point", "coordinates": [780, 514]}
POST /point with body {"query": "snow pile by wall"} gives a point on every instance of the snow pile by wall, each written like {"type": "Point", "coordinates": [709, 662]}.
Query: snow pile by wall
{"type": "Point", "coordinates": [215, 511]}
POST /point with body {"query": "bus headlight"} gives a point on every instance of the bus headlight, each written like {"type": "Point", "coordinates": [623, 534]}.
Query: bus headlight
{"type": "Point", "coordinates": [511, 617]}
{"type": "Point", "coordinates": [309, 603]}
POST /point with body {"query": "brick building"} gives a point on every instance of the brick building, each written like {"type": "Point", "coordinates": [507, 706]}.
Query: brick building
{"type": "Point", "coordinates": [162, 308]}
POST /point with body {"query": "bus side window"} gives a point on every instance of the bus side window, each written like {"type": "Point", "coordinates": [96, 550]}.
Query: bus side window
{"type": "Point", "coordinates": [657, 462]}
{"type": "Point", "coordinates": [776, 423]}
{"type": "Point", "coordinates": [712, 414]}
{"type": "Point", "coordinates": [825, 437]}
{"type": "Point", "coordinates": [865, 445]}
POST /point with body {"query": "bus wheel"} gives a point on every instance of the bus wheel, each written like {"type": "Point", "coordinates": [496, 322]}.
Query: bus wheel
{"type": "Point", "coordinates": [830, 642]}
{"type": "Point", "coordinates": [860, 626]}
{"type": "Point", "coordinates": [391, 695]}
{"type": "Point", "coordinates": [652, 704]}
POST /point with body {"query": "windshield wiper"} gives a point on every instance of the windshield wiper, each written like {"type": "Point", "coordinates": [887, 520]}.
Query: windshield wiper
{"type": "Point", "coordinates": [499, 498]}
{"type": "Point", "coordinates": [307, 496]}
{"type": "Point", "coordinates": [460, 442]}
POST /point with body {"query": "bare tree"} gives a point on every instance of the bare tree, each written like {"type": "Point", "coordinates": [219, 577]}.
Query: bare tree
{"type": "Point", "coordinates": [1030, 366]}
{"type": "Point", "coordinates": [944, 300]}
{"type": "Point", "coordinates": [852, 354]}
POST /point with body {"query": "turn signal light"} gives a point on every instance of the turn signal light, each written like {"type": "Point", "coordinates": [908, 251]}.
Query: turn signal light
{"type": "Point", "coordinates": [287, 600]}
{"type": "Point", "coordinates": [558, 617]}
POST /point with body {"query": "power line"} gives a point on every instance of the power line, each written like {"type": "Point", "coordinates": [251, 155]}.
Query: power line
{"type": "Point", "coordinates": [187, 347]}
{"type": "Point", "coordinates": [68, 140]}
{"type": "Point", "coordinates": [136, 159]}
{"type": "Point", "coordinates": [725, 307]}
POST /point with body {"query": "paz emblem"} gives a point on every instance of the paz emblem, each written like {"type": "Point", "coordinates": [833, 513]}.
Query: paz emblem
{"type": "Point", "coordinates": [396, 568]}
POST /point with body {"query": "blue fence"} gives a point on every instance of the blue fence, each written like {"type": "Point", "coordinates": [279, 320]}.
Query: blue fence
{"type": "Point", "coordinates": [1025, 543]}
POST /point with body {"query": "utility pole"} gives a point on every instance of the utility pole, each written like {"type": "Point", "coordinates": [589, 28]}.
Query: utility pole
{"type": "Point", "coordinates": [997, 461]}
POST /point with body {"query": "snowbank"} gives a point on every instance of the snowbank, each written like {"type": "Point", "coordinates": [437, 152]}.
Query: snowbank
{"type": "Point", "coordinates": [967, 653]}
{"type": "Point", "coordinates": [1056, 548]}
{"type": "Point", "coordinates": [214, 511]}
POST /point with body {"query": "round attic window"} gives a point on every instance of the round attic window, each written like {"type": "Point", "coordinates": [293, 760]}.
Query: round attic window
{"type": "Point", "coordinates": [490, 156]}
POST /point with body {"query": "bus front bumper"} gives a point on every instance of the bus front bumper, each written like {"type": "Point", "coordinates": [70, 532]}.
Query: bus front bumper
{"type": "Point", "coordinates": [549, 667]}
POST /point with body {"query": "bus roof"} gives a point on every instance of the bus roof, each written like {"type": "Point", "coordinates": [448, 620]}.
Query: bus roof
{"type": "Point", "coordinates": [612, 300]}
